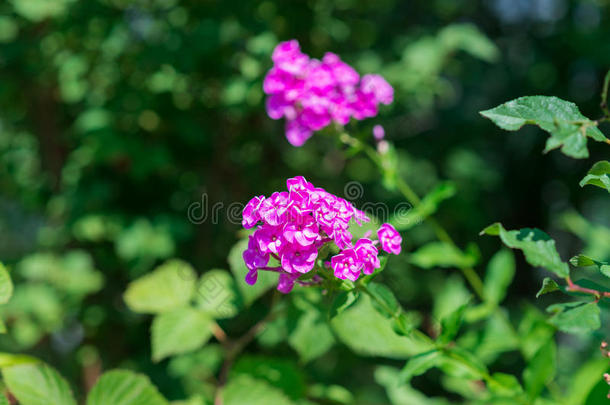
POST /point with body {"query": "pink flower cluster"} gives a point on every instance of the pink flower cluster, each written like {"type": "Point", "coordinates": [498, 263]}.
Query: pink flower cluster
{"type": "Point", "coordinates": [311, 93]}
{"type": "Point", "coordinates": [292, 226]}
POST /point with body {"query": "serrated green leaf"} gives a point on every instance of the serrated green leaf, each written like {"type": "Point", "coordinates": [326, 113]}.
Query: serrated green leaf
{"type": "Point", "coordinates": [575, 317]}
{"type": "Point", "coordinates": [408, 218]}
{"type": "Point", "coordinates": [123, 387]}
{"type": "Point", "coordinates": [586, 261]}
{"type": "Point", "coordinates": [37, 384]}
{"type": "Point", "coordinates": [245, 390]}
{"type": "Point", "coordinates": [216, 294]}
{"type": "Point", "coordinates": [441, 254]}
{"type": "Point", "coordinates": [168, 287]}
{"type": "Point", "coordinates": [500, 273]}
{"type": "Point", "coordinates": [540, 369]}
{"type": "Point", "coordinates": [599, 176]}
{"type": "Point", "coordinates": [312, 336]}
{"type": "Point", "coordinates": [568, 128]}
{"type": "Point", "coordinates": [537, 246]}
{"type": "Point", "coordinates": [6, 285]}
{"type": "Point", "coordinates": [179, 331]}
{"type": "Point", "coordinates": [548, 285]}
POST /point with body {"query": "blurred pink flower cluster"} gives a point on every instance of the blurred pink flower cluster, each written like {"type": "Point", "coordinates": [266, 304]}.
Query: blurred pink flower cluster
{"type": "Point", "coordinates": [292, 226]}
{"type": "Point", "coordinates": [310, 94]}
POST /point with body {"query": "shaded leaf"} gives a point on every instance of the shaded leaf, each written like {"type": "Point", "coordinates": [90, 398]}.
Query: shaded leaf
{"type": "Point", "coordinates": [450, 325]}
{"type": "Point", "coordinates": [408, 218]}
{"type": "Point", "coordinates": [6, 285]}
{"type": "Point", "coordinates": [548, 285]}
{"type": "Point", "coordinates": [441, 254]}
{"type": "Point", "coordinates": [419, 364]}
{"type": "Point", "coordinates": [575, 317]}
{"type": "Point", "coordinates": [538, 248]}
{"type": "Point", "coordinates": [541, 369]}
{"type": "Point", "coordinates": [266, 279]}
{"type": "Point", "coordinates": [567, 127]}
{"type": "Point", "coordinates": [277, 372]}
{"type": "Point", "coordinates": [342, 301]}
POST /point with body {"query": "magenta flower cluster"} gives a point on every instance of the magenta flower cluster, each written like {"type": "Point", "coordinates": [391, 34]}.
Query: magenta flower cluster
{"type": "Point", "coordinates": [292, 226]}
{"type": "Point", "coordinates": [310, 94]}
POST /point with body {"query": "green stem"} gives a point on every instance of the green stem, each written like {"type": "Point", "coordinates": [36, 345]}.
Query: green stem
{"type": "Point", "coordinates": [411, 196]}
{"type": "Point", "coordinates": [604, 103]}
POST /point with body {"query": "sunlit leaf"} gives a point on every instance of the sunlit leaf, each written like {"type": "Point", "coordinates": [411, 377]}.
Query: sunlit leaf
{"type": "Point", "coordinates": [538, 248]}
{"type": "Point", "coordinates": [548, 285]}
{"type": "Point", "coordinates": [179, 331]}
{"type": "Point", "coordinates": [599, 176]}
{"type": "Point", "coordinates": [575, 317]}
{"type": "Point", "coordinates": [168, 287]}
{"type": "Point", "coordinates": [37, 384]}
{"type": "Point", "coordinates": [122, 387]}
{"type": "Point", "coordinates": [567, 127]}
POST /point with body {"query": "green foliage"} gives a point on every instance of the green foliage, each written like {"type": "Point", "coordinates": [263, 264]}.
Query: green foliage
{"type": "Point", "coordinates": [599, 176]}
{"type": "Point", "coordinates": [168, 287]}
{"type": "Point", "coordinates": [575, 317]}
{"type": "Point", "coordinates": [538, 248]}
{"type": "Point", "coordinates": [122, 387]}
{"type": "Point", "coordinates": [37, 384]}
{"type": "Point", "coordinates": [179, 331]}
{"type": "Point", "coordinates": [548, 286]}
{"type": "Point", "coordinates": [567, 127]}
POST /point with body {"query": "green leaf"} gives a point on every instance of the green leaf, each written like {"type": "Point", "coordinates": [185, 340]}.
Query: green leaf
{"type": "Point", "coordinates": [266, 279]}
{"type": "Point", "coordinates": [568, 128]}
{"type": "Point", "coordinates": [245, 390]}
{"type": "Point", "coordinates": [179, 331]}
{"type": "Point", "coordinates": [400, 393]}
{"type": "Point", "coordinates": [537, 246]}
{"type": "Point", "coordinates": [408, 218]}
{"type": "Point", "coordinates": [278, 372]}
{"type": "Point", "coordinates": [6, 285]}
{"type": "Point", "coordinates": [216, 294]}
{"type": "Point", "coordinates": [168, 287]}
{"type": "Point", "coordinates": [548, 285]}
{"type": "Point", "coordinates": [599, 176]}
{"type": "Point", "coordinates": [461, 363]}
{"type": "Point", "coordinates": [37, 384]}
{"type": "Point", "coordinates": [384, 300]}
{"type": "Point", "coordinates": [441, 254]}
{"type": "Point", "coordinates": [541, 369]}
{"type": "Point", "coordinates": [419, 364]}
{"type": "Point", "coordinates": [504, 385]}
{"type": "Point", "coordinates": [312, 336]}
{"type": "Point", "coordinates": [500, 273]}
{"type": "Point", "coordinates": [369, 333]}
{"type": "Point", "coordinates": [123, 387]}
{"type": "Point", "coordinates": [3, 400]}
{"type": "Point", "coordinates": [342, 301]}
{"type": "Point", "coordinates": [450, 325]}
{"type": "Point", "coordinates": [586, 261]}
{"type": "Point", "coordinates": [584, 380]}
{"type": "Point", "coordinates": [575, 317]}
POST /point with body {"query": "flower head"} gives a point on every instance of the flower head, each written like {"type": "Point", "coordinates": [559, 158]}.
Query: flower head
{"type": "Point", "coordinates": [311, 94]}
{"type": "Point", "coordinates": [389, 238]}
{"type": "Point", "coordinates": [292, 226]}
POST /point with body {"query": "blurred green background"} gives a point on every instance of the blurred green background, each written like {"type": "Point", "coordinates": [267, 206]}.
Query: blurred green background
{"type": "Point", "coordinates": [117, 116]}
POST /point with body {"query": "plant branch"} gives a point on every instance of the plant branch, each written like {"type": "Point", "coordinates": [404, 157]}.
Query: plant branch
{"type": "Point", "coordinates": [234, 347]}
{"type": "Point", "coordinates": [572, 287]}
